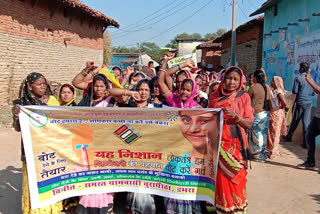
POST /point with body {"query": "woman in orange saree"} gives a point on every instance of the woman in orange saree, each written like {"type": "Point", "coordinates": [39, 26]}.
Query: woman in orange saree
{"type": "Point", "coordinates": [230, 192]}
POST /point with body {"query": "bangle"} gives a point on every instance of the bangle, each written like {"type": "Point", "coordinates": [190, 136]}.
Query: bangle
{"type": "Point", "coordinates": [236, 118]}
{"type": "Point", "coordinates": [92, 73]}
{"type": "Point", "coordinates": [179, 68]}
{"type": "Point", "coordinates": [162, 70]}
{"type": "Point", "coordinates": [16, 120]}
{"type": "Point", "coordinates": [84, 73]}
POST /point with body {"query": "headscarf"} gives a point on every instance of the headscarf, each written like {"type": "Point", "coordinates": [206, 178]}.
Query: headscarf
{"type": "Point", "coordinates": [149, 72]}
{"type": "Point", "coordinates": [221, 73]}
{"type": "Point", "coordinates": [265, 76]}
{"type": "Point", "coordinates": [71, 102]}
{"type": "Point", "coordinates": [27, 97]}
{"type": "Point", "coordinates": [279, 84]}
{"type": "Point", "coordinates": [111, 77]}
{"type": "Point", "coordinates": [190, 102]}
{"type": "Point", "coordinates": [141, 73]}
{"type": "Point", "coordinates": [244, 79]}
{"type": "Point", "coordinates": [87, 100]}
{"type": "Point", "coordinates": [144, 76]}
{"type": "Point", "coordinates": [220, 97]}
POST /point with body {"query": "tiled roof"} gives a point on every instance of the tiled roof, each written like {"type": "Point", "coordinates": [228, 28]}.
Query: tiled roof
{"type": "Point", "coordinates": [129, 54]}
{"type": "Point", "coordinates": [248, 25]}
{"type": "Point", "coordinates": [209, 44]}
{"type": "Point", "coordinates": [77, 5]}
{"type": "Point", "coordinates": [130, 60]}
{"type": "Point", "coordinates": [191, 40]}
{"type": "Point", "coordinates": [265, 6]}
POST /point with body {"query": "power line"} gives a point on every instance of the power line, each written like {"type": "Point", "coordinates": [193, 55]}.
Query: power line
{"type": "Point", "coordinates": [150, 18]}
{"type": "Point", "coordinates": [150, 15]}
{"type": "Point", "coordinates": [156, 22]}
{"type": "Point", "coordinates": [250, 3]}
{"type": "Point", "coordinates": [174, 25]}
{"type": "Point", "coordinates": [246, 17]}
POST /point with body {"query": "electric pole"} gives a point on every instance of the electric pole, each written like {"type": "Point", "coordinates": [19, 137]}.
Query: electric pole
{"type": "Point", "coordinates": [140, 57]}
{"type": "Point", "coordinates": [233, 35]}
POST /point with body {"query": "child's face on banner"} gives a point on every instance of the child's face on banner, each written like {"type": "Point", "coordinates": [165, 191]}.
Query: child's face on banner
{"type": "Point", "coordinates": [198, 126]}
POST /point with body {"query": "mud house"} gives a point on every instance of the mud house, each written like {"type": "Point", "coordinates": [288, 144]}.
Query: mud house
{"type": "Point", "coordinates": [210, 54]}
{"type": "Point", "coordinates": [249, 45]}
{"type": "Point", "coordinates": [54, 37]}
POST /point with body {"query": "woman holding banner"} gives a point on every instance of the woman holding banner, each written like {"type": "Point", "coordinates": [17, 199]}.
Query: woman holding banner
{"type": "Point", "coordinates": [184, 98]}
{"type": "Point", "coordinates": [141, 202]}
{"type": "Point", "coordinates": [230, 194]}
{"type": "Point", "coordinates": [36, 91]}
{"type": "Point", "coordinates": [96, 97]}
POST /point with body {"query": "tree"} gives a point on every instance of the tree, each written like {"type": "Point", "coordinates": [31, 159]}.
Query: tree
{"type": "Point", "coordinates": [153, 49]}
{"type": "Point", "coordinates": [210, 36]}
{"type": "Point", "coordinates": [107, 48]}
{"type": "Point", "coordinates": [120, 49]}
{"type": "Point", "coordinates": [219, 32]}
{"type": "Point", "coordinates": [149, 47]}
{"type": "Point", "coordinates": [173, 42]}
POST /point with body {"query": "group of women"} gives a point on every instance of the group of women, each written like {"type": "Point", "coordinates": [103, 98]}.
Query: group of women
{"type": "Point", "coordinates": [181, 86]}
{"type": "Point", "coordinates": [269, 119]}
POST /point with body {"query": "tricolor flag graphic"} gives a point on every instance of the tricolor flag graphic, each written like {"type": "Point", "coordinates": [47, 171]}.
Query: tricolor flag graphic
{"type": "Point", "coordinates": [126, 134]}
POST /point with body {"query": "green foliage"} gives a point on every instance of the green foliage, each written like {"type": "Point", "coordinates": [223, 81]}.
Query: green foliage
{"type": "Point", "coordinates": [157, 53]}
{"type": "Point", "coordinates": [173, 42]}
{"type": "Point", "coordinates": [153, 49]}
{"type": "Point", "coordinates": [219, 32]}
{"type": "Point", "coordinates": [122, 49]}
{"type": "Point", "coordinates": [148, 47]}
{"type": "Point", "coordinates": [210, 36]}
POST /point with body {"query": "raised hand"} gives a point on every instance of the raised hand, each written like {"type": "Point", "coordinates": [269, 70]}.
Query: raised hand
{"type": "Point", "coordinates": [136, 96]}
{"type": "Point", "coordinates": [308, 76]}
{"type": "Point", "coordinates": [15, 111]}
{"type": "Point", "coordinates": [89, 66]}
{"type": "Point", "coordinates": [169, 56]}
{"type": "Point", "coordinates": [189, 64]}
{"type": "Point", "coordinates": [130, 70]}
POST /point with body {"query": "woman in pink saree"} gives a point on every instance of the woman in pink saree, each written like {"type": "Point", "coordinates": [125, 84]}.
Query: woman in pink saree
{"type": "Point", "coordinates": [277, 125]}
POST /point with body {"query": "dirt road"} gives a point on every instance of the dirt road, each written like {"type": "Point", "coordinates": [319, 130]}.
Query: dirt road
{"type": "Point", "coordinates": [273, 187]}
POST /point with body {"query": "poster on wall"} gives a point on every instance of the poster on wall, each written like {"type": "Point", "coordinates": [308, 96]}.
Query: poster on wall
{"type": "Point", "coordinates": [282, 35]}
{"type": "Point", "coordinates": [81, 151]}
{"type": "Point", "coordinates": [307, 49]}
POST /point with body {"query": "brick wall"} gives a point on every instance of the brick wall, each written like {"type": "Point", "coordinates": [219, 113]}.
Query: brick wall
{"type": "Point", "coordinates": [211, 56]}
{"type": "Point", "coordinates": [249, 49]}
{"type": "Point", "coordinates": [246, 56]}
{"type": "Point", "coordinates": [55, 42]}
{"type": "Point", "coordinates": [23, 55]}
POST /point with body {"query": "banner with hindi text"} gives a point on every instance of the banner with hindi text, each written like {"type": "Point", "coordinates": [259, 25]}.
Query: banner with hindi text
{"type": "Point", "coordinates": [74, 151]}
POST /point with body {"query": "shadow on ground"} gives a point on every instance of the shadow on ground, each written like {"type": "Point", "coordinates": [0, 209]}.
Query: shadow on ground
{"type": "Point", "coordinates": [296, 148]}
{"type": "Point", "coordinates": [317, 198]}
{"type": "Point", "coordinates": [300, 152]}
{"type": "Point", "coordinates": [10, 190]}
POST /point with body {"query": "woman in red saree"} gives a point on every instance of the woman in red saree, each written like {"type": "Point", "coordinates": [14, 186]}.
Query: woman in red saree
{"type": "Point", "coordinates": [230, 192]}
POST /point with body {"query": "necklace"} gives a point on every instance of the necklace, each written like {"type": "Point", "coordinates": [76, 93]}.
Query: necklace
{"type": "Point", "coordinates": [95, 100]}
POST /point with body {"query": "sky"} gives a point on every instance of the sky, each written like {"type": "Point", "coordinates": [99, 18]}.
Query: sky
{"type": "Point", "coordinates": [159, 21]}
